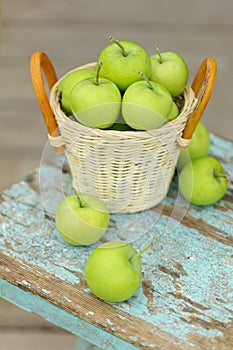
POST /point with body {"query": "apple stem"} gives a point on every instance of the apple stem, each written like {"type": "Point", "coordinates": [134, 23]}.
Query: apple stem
{"type": "Point", "coordinates": [78, 195]}
{"type": "Point", "coordinates": [141, 252]}
{"type": "Point", "coordinates": [119, 44]}
{"type": "Point", "coordinates": [159, 53]}
{"type": "Point", "coordinates": [218, 174]}
{"type": "Point", "coordinates": [147, 80]}
{"type": "Point", "coordinates": [79, 200]}
{"type": "Point", "coordinates": [97, 78]}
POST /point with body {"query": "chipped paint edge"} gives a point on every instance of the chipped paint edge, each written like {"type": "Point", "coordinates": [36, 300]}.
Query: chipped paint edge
{"type": "Point", "coordinates": [61, 318]}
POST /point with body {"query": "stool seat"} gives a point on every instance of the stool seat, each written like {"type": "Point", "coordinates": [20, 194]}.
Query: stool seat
{"type": "Point", "coordinates": [185, 300]}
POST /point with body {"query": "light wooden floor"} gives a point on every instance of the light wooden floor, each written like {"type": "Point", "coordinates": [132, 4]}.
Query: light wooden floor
{"type": "Point", "coordinates": [72, 32]}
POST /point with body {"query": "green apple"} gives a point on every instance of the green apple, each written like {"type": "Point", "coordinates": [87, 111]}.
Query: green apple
{"type": "Point", "coordinates": [122, 60]}
{"type": "Point", "coordinates": [113, 271]}
{"type": "Point", "coordinates": [146, 105]}
{"type": "Point", "coordinates": [170, 70]}
{"type": "Point", "coordinates": [199, 146]}
{"type": "Point", "coordinates": [67, 84]}
{"type": "Point", "coordinates": [96, 102]}
{"type": "Point", "coordinates": [174, 112]}
{"type": "Point", "coordinates": [82, 219]}
{"type": "Point", "coordinates": [203, 181]}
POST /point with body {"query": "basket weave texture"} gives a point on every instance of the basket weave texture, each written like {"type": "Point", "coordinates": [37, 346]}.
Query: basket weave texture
{"type": "Point", "coordinates": [129, 170]}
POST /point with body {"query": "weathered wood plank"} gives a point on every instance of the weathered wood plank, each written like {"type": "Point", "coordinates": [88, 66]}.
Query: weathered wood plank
{"type": "Point", "coordinates": [79, 303]}
{"type": "Point", "coordinates": [185, 300]}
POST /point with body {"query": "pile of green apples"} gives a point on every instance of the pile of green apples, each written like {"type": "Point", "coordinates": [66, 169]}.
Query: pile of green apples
{"type": "Point", "coordinates": [113, 271]}
{"type": "Point", "coordinates": [202, 179]}
{"type": "Point", "coordinates": [126, 86]}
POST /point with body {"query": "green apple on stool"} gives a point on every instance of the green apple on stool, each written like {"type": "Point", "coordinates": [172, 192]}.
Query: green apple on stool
{"type": "Point", "coordinates": [113, 271]}
{"type": "Point", "coordinates": [82, 219]}
{"type": "Point", "coordinates": [203, 181]}
{"type": "Point", "coordinates": [199, 146]}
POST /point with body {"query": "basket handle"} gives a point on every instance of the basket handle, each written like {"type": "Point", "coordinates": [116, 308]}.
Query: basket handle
{"type": "Point", "coordinates": [40, 63]}
{"type": "Point", "coordinates": [202, 86]}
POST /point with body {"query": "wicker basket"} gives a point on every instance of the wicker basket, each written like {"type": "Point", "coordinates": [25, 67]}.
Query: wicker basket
{"type": "Point", "coordinates": [129, 170]}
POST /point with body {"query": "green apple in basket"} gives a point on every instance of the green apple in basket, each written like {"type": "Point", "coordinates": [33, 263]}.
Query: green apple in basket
{"type": "Point", "coordinates": [174, 112]}
{"type": "Point", "coordinates": [96, 102]}
{"type": "Point", "coordinates": [122, 60]}
{"type": "Point", "coordinates": [113, 271]}
{"type": "Point", "coordinates": [146, 104]}
{"type": "Point", "coordinates": [203, 181]}
{"type": "Point", "coordinates": [170, 70]}
{"type": "Point", "coordinates": [199, 146]}
{"type": "Point", "coordinates": [67, 84]}
{"type": "Point", "coordinates": [82, 219]}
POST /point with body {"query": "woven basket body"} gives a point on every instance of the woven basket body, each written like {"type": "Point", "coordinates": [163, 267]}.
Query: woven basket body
{"type": "Point", "coordinates": [129, 170]}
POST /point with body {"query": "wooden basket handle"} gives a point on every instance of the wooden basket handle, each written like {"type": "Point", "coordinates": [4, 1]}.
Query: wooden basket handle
{"type": "Point", "coordinates": [40, 63]}
{"type": "Point", "coordinates": [202, 86]}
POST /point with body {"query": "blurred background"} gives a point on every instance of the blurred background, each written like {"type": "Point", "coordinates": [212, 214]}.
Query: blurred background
{"type": "Point", "coordinates": [72, 33]}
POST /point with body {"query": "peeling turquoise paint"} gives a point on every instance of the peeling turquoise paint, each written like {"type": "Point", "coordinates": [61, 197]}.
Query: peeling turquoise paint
{"type": "Point", "coordinates": [62, 318]}
{"type": "Point", "coordinates": [210, 263]}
